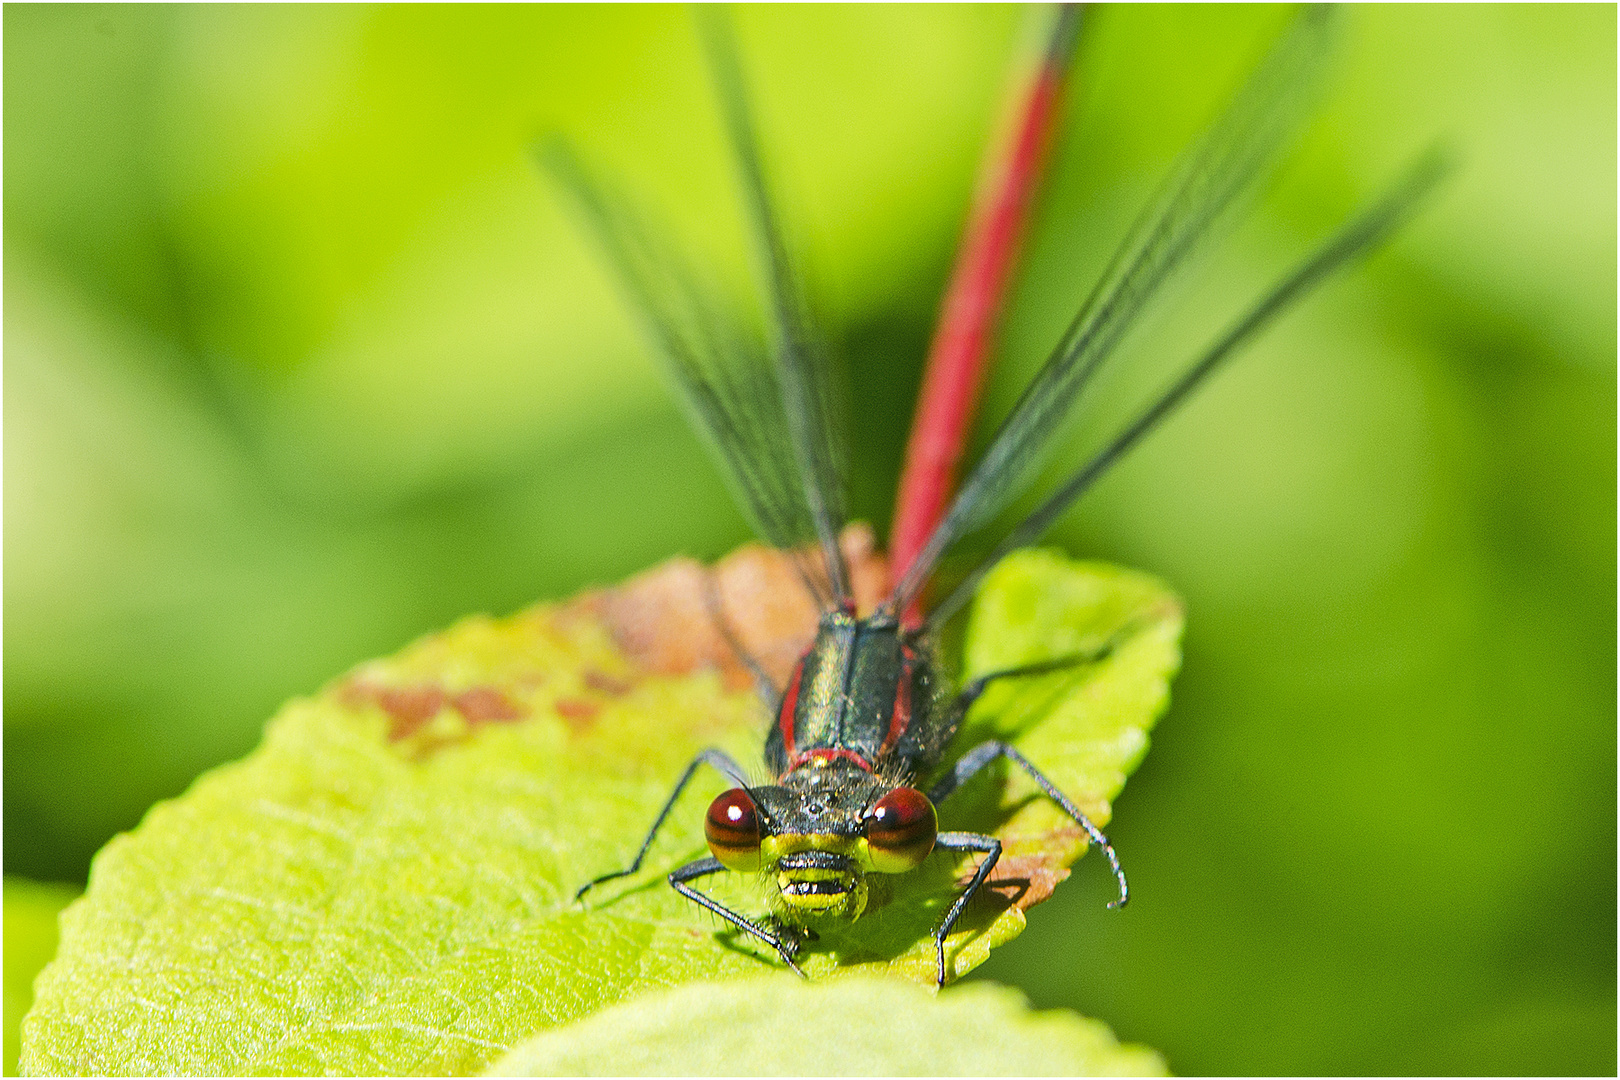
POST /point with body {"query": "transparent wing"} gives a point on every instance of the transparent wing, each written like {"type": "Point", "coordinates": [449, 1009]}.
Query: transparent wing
{"type": "Point", "coordinates": [1223, 164]}
{"type": "Point", "coordinates": [803, 372]}
{"type": "Point", "coordinates": [730, 389]}
{"type": "Point", "coordinates": [1361, 234]}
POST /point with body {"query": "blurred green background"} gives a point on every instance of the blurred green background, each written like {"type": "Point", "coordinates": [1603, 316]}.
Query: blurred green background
{"type": "Point", "coordinates": [304, 359]}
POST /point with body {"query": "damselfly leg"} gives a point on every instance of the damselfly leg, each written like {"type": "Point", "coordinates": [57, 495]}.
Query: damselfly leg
{"type": "Point", "coordinates": [721, 762]}
{"type": "Point", "coordinates": [964, 770]}
{"type": "Point", "coordinates": [968, 842]}
{"type": "Point", "coordinates": [985, 753]}
{"type": "Point", "coordinates": [785, 941]}
{"type": "Point", "coordinates": [975, 688]}
{"type": "Point", "coordinates": [763, 686]}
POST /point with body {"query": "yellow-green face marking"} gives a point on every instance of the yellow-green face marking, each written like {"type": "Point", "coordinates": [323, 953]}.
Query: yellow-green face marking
{"type": "Point", "coordinates": [819, 874]}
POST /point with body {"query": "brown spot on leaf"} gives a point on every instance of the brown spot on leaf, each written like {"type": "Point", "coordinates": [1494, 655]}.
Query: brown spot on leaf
{"type": "Point", "coordinates": [408, 707]}
{"type": "Point", "coordinates": [578, 712]}
{"type": "Point", "coordinates": [603, 683]}
{"type": "Point", "coordinates": [485, 703]}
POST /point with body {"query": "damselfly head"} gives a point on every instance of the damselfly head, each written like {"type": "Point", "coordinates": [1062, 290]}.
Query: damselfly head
{"type": "Point", "coordinates": [820, 831]}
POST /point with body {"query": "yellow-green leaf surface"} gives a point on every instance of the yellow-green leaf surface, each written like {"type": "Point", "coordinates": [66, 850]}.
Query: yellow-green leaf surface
{"type": "Point", "coordinates": [386, 884]}
{"type": "Point", "coordinates": [31, 910]}
{"type": "Point", "coordinates": [774, 1027]}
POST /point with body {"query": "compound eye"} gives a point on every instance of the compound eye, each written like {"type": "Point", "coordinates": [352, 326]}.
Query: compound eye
{"type": "Point", "coordinates": [732, 829]}
{"type": "Point", "coordinates": [900, 831]}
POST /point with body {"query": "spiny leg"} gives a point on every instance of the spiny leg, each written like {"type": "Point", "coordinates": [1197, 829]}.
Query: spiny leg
{"type": "Point", "coordinates": [986, 752]}
{"type": "Point", "coordinates": [972, 691]}
{"type": "Point", "coordinates": [964, 841]}
{"type": "Point", "coordinates": [787, 947]}
{"type": "Point", "coordinates": [721, 761]}
{"type": "Point", "coordinates": [763, 686]}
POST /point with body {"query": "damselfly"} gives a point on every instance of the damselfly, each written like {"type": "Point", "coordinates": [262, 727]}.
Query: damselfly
{"type": "Point", "coordinates": [858, 747]}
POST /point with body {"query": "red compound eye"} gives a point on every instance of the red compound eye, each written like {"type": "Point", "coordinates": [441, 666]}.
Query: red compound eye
{"type": "Point", "coordinates": [900, 831]}
{"type": "Point", "coordinates": [732, 828]}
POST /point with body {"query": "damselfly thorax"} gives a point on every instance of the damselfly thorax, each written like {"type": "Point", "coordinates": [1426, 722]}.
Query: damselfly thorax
{"type": "Point", "coordinates": [862, 693]}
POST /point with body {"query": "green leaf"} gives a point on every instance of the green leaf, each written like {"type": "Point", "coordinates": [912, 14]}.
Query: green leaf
{"type": "Point", "coordinates": [386, 884]}
{"type": "Point", "coordinates": [31, 910]}
{"type": "Point", "coordinates": [780, 1027]}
